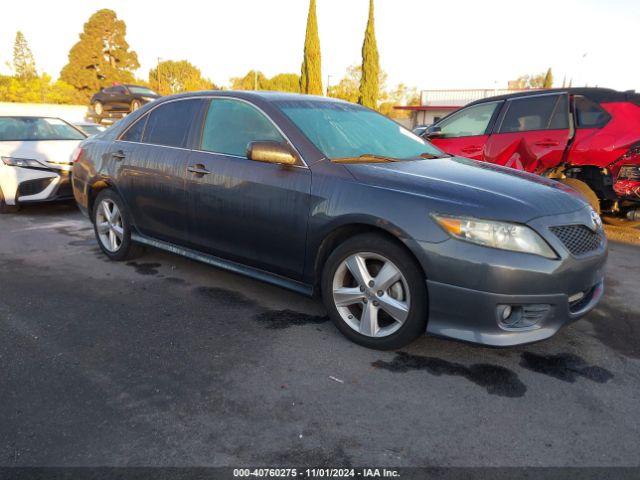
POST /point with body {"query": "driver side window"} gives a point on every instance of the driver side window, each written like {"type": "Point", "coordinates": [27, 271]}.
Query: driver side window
{"type": "Point", "coordinates": [231, 125]}
{"type": "Point", "coordinates": [468, 122]}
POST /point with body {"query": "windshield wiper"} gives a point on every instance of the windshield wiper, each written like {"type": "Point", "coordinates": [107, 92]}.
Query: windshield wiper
{"type": "Point", "coordinates": [366, 158]}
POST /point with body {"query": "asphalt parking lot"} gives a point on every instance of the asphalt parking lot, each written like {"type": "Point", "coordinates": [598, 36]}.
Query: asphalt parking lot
{"type": "Point", "coordinates": [167, 362]}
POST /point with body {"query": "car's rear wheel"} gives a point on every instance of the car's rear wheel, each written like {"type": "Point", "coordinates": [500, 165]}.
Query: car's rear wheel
{"type": "Point", "coordinates": [4, 208]}
{"type": "Point", "coordinates": [135, 105]}
{"type": "Point", "coordinates": [375, 292]}
{"type": "Point", "coordinates": [585, 190]}
{"type": "Point", "coordinates": [98, 108]}
{"type": "Point", "coordinates": [112, 227]}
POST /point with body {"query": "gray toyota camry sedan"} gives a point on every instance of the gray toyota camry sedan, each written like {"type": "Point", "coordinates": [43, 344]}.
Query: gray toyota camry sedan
{"type": "Point", "coordinates": [323, 196]}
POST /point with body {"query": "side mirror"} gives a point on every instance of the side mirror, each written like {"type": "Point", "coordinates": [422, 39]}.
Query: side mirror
{"type": "Point", "coordinates": [433, 132]}
{"type": "Point", "coordinates": [271, 152]}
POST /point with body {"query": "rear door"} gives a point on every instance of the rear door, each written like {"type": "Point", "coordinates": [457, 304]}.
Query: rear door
{"type": "Point", "coordinates": [532, 133]}
{"type": "Point", "coordinates": [465, 132]}
{"type": "Point", "coordinates": [251, 212]}
{"type": "Point", "coordinates": [153, 154]}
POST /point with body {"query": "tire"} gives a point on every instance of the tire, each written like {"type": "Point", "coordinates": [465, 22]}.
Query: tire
{"type": "Point", "coordinates": [4, 208]}
{"type": "Point", "coordinates": [405, 297]}
{"type": "Point", "coordinates": [98, 108]}
{"type": "Point", "coordinates": [113, 232]}
{"type": "Point", "coordinates": [135, 105]}
{"type": "Point", "coordinates": [585, 190]}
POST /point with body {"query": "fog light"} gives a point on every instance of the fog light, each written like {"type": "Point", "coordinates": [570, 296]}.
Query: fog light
{"type": "Point", "coordinates": [522, 317]}
{"type": "Point", "coordinates": [575, 297]}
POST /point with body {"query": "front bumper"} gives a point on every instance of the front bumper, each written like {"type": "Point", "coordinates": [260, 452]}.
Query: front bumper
{"type": "Point", "coordinates": [470, 285]}
{"type": "Point", "coordinates": [474, 316]}
{"type": "Point", "coordinates": [28, 185]}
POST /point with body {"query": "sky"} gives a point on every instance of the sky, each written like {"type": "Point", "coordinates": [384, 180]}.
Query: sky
{"type": "Point", "coordinates": [427, 44]}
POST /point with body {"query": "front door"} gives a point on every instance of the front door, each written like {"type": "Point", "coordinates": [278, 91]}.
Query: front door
{"type": "Point", "coordinates": [465, 133]}
{"type": "Point", "coordinates": [153, 167]}
{"type": "Point", "coordinates": [250, 212]}
{"type": "Point", "coordinates": [532, 133]}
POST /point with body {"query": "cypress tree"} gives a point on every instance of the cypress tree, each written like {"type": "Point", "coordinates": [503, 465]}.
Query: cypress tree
{"type": "Point", "coordinates": [311, 76]}
{"type": "Point", "coordinates": [24, 65]}
{"type": "Point", "coordinates": [548, 79]}
{"type": "Point", "coordinates": [370, 81]}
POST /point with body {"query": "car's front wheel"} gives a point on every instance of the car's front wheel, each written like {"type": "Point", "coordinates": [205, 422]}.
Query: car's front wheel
{"type": "Point", "coordinates": [112, 227]}
{"type": "Point", "coordinates": [375, 292]}
{"type": "Point", "coordinates": [98, 108]}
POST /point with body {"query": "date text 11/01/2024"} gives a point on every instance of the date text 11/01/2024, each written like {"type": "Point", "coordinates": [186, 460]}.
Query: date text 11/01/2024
{"type": "Point", "coordinates": [316, 473]}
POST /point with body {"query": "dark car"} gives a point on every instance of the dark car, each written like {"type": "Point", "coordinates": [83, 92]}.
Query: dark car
{"type": "Point", "coordinates": [320, 195]}
{"type": "Point", "coordinates": [113, 103]}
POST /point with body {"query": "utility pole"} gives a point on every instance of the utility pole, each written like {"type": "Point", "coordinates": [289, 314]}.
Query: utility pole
{"type": "Point", "coordinates": [255, 80]}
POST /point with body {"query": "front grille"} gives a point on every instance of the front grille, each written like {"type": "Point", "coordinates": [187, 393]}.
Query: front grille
{"type": "Point", "coordinates": [33, 187]}
{"type": "Point", "coordinates": [578, 239]}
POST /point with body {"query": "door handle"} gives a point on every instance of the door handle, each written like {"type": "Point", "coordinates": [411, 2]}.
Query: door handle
{"type": "Point", "coordinates": [547, 143]}
{"type": "Point", "coordinates": [119, 155]}
{"type": "Point", "coordinates": [471, 149]}
{"type": "Point", "coordinates": [198, 169]}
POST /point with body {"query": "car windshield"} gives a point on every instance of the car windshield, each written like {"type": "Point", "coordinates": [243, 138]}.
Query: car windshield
{"type": "Point", "coordinates": [92, 129]}
{"type": "Point", "coordinates": [344, 131]}
{"type": "Point", "coordinates": [33, 129]}
{"type": "Point", "coordinates": [142, 91]}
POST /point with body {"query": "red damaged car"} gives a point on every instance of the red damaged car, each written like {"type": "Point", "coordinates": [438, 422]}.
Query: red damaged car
{"type": "Point", "coordinates": [588, 138]}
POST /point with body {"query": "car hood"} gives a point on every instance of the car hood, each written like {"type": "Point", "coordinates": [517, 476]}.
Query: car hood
{"type": "Point", "coordinates": [53, 153]}
{"type": "Point", "coordinates": [467, 187]}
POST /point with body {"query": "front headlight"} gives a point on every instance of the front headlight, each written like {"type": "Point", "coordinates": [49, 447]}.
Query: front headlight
{"type": "Point", "coordinates": [502, 235]}
{"type": "Point", "coordinates": [22, 162]}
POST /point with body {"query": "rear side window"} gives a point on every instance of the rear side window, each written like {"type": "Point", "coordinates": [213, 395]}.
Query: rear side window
{"type": "Point", "coordinates": [169, 124]}
{"type": "Point", "coordinates": [468, 122]}
{"type": "Point", "coordinates": [589, 114]}
{"type": "Point", "coordinates": [231, 125]}
{"type": "Point", "coordinates": [134, 134]}
{"type": "Point", "coordinates": [548, 112]}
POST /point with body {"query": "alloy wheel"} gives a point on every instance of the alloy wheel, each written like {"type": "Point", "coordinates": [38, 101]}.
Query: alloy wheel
{"type": "Point", "coordinates": [371, 294]}
{"type": "Point", "coordinates": [109, 225]}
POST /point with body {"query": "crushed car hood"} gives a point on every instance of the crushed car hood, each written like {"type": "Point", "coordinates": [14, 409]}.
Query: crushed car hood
{"type": "Point", "coordinates": [473, 188]}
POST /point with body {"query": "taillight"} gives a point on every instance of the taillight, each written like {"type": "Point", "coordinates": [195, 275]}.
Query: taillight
{"type": "Point", "coordinates": [75, 156]}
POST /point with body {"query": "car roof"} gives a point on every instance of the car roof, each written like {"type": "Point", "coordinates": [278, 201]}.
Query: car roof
{"type": "Point", "coordinates": [600, 95]}
{"type": "Point", "coordinates": [265, 95]}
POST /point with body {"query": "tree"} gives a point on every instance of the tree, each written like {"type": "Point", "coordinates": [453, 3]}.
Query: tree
{"type": "Point", "coordinates": [548, 79]}
{"type": "Point", "coordinates": [402, 95]}
{"type": "Point", "coordinates": [171, 77]}
{"type": "Point", "coordinates": [369, 83]}
{"type": "Point", "coordinates": [349, 87]}
{"type": "Point", "coordinates": [37, 89]}
{"type": "Point", "coordinates": [253, 80]}
{"type": "Point", "coordinates": [24, 65]}
{"type": "Point", "coordinates": [285, 82]}
{"type": "Point", "coordinates": [101, 57]}
{"type": "Point", "coordinates": [311, 72]}
{"type": "Point", "coordinates": [524, 82]}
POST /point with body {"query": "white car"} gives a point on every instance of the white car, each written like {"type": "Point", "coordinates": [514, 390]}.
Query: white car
{"type": "Point", "coordinates": [90, 128]}
{"type": "Point", "coordinates": [35, 160]}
